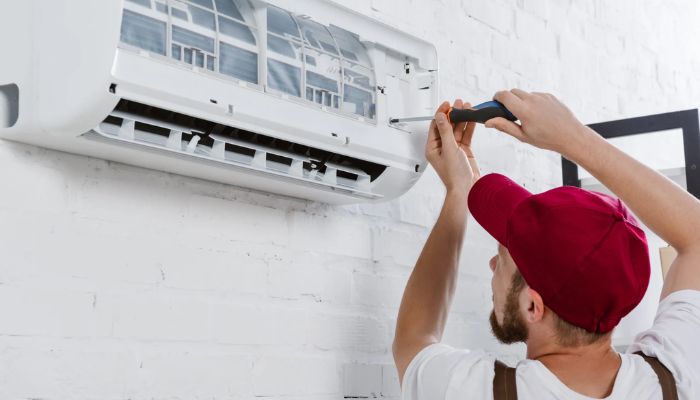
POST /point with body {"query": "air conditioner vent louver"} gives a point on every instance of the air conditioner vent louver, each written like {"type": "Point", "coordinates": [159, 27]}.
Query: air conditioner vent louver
{"type": "Point", "coordinates": [141, 124]}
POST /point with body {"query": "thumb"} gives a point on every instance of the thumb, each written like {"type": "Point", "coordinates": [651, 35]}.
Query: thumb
{"type": "Point", "coordinates": [506, 126]}
{"type": "Point", "coordinates": [447, 136]}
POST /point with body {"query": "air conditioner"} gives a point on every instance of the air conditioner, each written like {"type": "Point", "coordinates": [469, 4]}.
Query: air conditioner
{"type": "Point", "coordinates": [292, 97]}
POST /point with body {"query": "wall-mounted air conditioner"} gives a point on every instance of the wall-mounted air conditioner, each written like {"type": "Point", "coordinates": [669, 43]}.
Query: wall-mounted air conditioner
{"type": "Point", "coordinates": [292, 97]}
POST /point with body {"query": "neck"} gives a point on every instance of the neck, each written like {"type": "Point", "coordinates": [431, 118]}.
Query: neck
{"type": "Point", "coordinates": [550, 350]}
{"type": "Point", "coordinates": [589, 369]}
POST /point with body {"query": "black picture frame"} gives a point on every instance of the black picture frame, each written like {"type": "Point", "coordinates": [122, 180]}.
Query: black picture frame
{"type": "Point", "coordinates": [686, 120]}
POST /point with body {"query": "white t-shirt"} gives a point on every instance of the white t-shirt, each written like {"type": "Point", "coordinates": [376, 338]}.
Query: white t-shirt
{"type": "Point", "coordinates": [441, 372]}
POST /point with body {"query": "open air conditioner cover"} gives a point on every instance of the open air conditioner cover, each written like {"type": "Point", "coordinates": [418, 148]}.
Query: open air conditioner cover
{"type": "Point", "coordinates": [291, 97]}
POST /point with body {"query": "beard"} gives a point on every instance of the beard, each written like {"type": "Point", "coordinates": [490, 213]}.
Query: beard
{"type": "Point", "coordinates": [513, 329]}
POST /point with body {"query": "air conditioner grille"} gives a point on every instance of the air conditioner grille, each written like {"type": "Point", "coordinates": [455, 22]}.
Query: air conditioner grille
{"type": "Point", "coordinates": [143, 124]}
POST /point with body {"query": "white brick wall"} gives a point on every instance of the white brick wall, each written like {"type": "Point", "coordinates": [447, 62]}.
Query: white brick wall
{"type": "Point", "coordinates": [123, 283]}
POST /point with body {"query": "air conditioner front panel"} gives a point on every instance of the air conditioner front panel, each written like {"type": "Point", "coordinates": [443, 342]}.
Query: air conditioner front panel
{"type": "Point", "coordinates": [251, 109]}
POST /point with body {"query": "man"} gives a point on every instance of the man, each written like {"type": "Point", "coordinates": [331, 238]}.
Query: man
{"type": "Point", "coordinates": [570, 264]}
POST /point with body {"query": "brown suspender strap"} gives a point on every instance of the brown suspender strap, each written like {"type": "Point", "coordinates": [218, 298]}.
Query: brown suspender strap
{"type": "Point", "coordinates": [666, 379]}
{"type": "Point", "coordinates": [504, 387]}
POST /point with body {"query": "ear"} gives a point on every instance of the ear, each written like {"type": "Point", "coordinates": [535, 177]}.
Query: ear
{"type": "Point", "coordinates": [534, 306]}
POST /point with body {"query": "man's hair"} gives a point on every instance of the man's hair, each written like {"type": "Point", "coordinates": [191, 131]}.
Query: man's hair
{"type": "Point", "coordinates": [567, 334]}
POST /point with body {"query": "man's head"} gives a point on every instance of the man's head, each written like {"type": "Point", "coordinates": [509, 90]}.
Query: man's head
{"type": "Point", "coordinates": [517, 309]}
{"type": "Point", "coordinates": [570, 264]}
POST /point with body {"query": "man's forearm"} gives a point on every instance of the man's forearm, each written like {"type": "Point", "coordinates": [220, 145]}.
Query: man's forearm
{"type": "Point", "coordinates": [667, 209]}
{"type": "Point", "coordinates": [429, 291]}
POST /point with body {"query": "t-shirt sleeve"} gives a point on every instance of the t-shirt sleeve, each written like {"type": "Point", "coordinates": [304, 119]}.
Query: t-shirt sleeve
{"type": "Point", "coordinates": [673, 338]}
{"type": "Point", "coordinates": [441, 372]}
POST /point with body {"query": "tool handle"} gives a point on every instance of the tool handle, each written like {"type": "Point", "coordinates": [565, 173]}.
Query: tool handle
{"type": "Point", "coordinates": [480, 113]}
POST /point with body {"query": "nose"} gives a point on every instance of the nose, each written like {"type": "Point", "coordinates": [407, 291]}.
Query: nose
{"type": "Point", "coordinates": [492, 263]}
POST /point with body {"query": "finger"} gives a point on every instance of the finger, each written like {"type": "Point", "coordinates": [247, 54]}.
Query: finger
{"type": "Point", "coordinates": [432, 131]}
{"type": "Point", "coordinates": [434, 147]}
{"type": "Point", "coordinates": [512, 102]}
{"type": "Point", "coordinates": [545, 95]}
{"type": "Point", "coordinates": [434, 144]}
{"type": "Point", "coordinates": [467, 135]}
{"type": "Point", "coordinates": [464, 136]}
{"type": "Point", "coordinates": [446, 131]}
{"type": "Point", "coordinates": [433, 137]}
{"type": "Point", "coordinates": [443, 108]}
{"type": "Point", "coordinates": [520, 93]}
{"type": "Point", "coordinates": [475, 166]}
{"type": "Point", "coordinates": [506, 126]}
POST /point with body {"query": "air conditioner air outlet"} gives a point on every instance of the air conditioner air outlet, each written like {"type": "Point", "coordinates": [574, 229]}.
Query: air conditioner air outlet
{"type": "Point", "coordinates": [143, 124]}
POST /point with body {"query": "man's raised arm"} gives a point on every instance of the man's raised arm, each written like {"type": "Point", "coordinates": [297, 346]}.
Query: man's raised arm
{"type": "Point", "coordinates": [663, 206]}
{"type": "Point", "coordinates": [429, 291]}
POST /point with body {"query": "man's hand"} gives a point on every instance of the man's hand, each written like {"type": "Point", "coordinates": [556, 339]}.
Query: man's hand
{"type": "Point", "coordinates": [449, 150]}
{"type": "Point", "coordinates": [545, 121]}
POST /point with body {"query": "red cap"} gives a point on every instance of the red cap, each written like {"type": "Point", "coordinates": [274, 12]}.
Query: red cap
{"type": "Point", "coordinates": [582, 251]}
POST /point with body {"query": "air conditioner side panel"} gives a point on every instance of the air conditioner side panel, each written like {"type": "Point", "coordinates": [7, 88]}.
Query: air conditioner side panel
{"type": "Point", "coordinates": [16, 22]}
{"type": "Point", "coordinates": [73, 52]}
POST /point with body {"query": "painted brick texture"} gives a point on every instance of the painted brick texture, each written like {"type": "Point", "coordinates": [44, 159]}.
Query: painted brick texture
{"type": "Point", "coordinates": [123, 283]}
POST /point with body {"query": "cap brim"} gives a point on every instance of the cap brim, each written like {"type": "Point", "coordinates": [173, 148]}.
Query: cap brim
{"type": "Point", "coordinates": [492, 200]}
